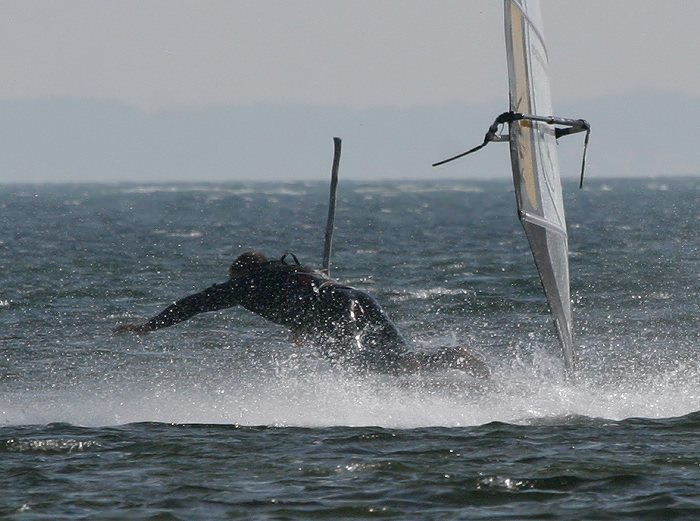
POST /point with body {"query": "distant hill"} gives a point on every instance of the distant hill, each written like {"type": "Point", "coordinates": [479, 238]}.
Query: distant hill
{"type": "Point", "coordinates": [63, 140]}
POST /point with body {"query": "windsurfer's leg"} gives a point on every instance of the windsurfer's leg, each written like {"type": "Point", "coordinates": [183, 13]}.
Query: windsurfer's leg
{"type": "Point", "coordinates": [358, 331]}
{"type": "Point", "coordinates": [379, 331]}
{"type": "Point", "coordinates": [354, 310]}
{"type": "Point", "coordinates": [448, 357]}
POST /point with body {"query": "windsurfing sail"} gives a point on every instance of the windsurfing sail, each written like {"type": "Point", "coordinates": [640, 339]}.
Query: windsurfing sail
{"type": "Point", "coordinates": [532, 134]}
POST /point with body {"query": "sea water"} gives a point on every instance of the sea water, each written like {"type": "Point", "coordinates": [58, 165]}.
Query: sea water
{"type": "Point", "coordinates": [222, 417]}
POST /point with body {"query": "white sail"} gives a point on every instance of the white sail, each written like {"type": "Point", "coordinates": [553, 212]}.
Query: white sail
{"type": "Point", "coordinates": [532, 135]}
{"type": "Point", "coordinates": [535, 163]}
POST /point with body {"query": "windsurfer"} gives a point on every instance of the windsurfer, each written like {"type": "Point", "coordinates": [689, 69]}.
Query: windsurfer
{"type": "Point", "coordinates": [346, 324]}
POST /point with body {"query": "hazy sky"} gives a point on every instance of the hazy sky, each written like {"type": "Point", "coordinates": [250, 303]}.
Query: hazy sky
{"type": "Point", "coordinates": [356, 53]}
{"type": "Point", "coordinates": [360, 54]}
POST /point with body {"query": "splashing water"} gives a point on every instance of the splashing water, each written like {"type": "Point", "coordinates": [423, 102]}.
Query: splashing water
{"type": "Point", "coordinates": [303, 391]}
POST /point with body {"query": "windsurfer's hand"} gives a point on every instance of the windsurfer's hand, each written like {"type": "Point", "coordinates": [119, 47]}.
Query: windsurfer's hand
{"type": "Point", "coordinates": [139, 329]}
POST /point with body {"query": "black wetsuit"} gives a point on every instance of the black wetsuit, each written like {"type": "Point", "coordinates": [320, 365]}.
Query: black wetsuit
{"type": "Point", "coordinates": [345, 323]}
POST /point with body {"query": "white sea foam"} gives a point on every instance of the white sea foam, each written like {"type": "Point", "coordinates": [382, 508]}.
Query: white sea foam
{"type": "Point", "coordinates": [49, 445]}
{"type": "Point", "coordinates": [214, 190]}
{"type": "Point", "coordinates": [410, 188]}
{"type": "Point", "coordinates": [192, 234]}
{"type": "Point", "coordinates": [423, 294]}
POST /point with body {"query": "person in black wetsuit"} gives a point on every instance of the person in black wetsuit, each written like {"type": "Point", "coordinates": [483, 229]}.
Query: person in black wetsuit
{"type": "Point", "coordinates": [347, 324]}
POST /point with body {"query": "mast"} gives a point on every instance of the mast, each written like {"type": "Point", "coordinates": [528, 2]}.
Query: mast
{"type": "Point", "coordinates": [330, 222]}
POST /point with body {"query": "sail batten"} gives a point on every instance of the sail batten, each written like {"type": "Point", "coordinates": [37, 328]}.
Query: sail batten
{"type": "Point", "coordinates": [537, 220]}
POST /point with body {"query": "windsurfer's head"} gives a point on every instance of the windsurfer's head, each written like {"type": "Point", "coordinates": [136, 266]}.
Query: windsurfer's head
{"type": "Point", "coordinates": [246, 263]}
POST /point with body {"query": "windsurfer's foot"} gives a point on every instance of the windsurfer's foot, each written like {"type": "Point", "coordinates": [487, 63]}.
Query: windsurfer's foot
{"type": "Point", "coordinates": [468, 362]}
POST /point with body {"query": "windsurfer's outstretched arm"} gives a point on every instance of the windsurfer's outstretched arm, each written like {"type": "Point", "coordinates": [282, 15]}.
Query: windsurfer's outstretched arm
{"type": "Point", "coordinates": [218, 296]}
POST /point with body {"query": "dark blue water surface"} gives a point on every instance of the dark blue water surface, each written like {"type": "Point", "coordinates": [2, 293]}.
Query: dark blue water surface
{"type": "Point", "coordinates": [222, 418]}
